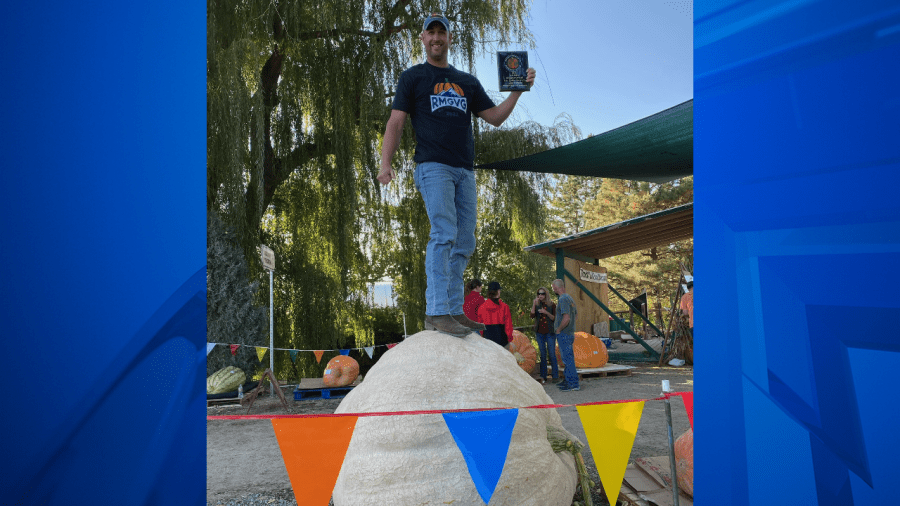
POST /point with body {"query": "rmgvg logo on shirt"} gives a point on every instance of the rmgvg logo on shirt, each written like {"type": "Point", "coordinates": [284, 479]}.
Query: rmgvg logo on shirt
{"type": "Point", "coordinates": [448, 95]}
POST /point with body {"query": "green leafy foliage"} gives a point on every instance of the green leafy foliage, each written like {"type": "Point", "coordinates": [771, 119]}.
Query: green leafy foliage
{"type": "Point", "coordinates": [297, 98]}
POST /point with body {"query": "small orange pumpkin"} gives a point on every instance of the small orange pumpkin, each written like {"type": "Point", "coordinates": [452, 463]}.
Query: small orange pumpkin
{"type": "Point", "coordinates": [340, 371]}
{"type": "Point", "coordinates": [684, 462]}
{"type": "Point", "coordinates": [589, 351]}
{"type": "Point", "coordinates": [525, 350]}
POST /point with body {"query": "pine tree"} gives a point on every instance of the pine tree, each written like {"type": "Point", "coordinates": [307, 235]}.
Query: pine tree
{"type": "Point", "coordinates": [655, 270]}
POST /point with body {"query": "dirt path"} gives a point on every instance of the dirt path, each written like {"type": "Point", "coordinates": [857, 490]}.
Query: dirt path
{"type": "Point", "coordinates": [242, 456]}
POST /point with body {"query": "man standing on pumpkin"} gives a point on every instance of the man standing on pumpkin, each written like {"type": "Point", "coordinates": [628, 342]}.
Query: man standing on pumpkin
{"type": "Point", "coordinates": [564, 326]}
{"type": "Point", "coordinates": [440, 101]}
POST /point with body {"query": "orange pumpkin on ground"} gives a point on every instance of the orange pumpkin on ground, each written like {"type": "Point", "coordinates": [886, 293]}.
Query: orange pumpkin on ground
{"type": "Point", "coordinates": [684, 462]}
{"type": "Point", "coordinates": [589, 351]}
{"type": "Point", "coordinates": [340, 371]}
{"type": "Point", "coordinates": [525, 350]}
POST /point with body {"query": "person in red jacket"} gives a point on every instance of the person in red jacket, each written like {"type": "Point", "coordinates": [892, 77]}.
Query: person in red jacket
{"type": "Point", "coordinates": [473, 300]}
{"type": "Point", "coordinates": [496, 317]}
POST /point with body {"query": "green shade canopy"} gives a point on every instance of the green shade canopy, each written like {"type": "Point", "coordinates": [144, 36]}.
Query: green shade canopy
{"type": "Point", "coordinates": [641, 233]}
{"type": "Point", "coordinates": [656, 149]}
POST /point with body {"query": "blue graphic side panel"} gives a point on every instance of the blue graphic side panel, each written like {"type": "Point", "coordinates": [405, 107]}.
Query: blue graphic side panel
{"type": "Point", "coordinates": [797, 234]}
{"type": "Point", "coordinates": [878, 409]}
{"type": "Point", "coordinates": [776, 439]}
{"type": "Point", "coordinates": [102, 256]}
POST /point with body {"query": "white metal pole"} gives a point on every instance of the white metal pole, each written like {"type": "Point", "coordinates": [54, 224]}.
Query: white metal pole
{"type": "Point", "coordinates": [672, 464]}
{"type": "Point", "coordinates": [404, 326]}
{"type": "Point", "coordinates": [271, 332]}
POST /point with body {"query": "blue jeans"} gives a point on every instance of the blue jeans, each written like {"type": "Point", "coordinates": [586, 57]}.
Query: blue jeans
{"type": "Point", "coordinates": [450, 201]}
{"type": "Point", "coordinates": [547, 344]}
{"type": "Point", "coordinates": [568, 356]}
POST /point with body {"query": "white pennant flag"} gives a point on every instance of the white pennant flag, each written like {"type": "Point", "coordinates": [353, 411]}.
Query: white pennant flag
{"type": "Point", "coordinates": [209, 347]}
{"type": "Point", "coordinates": [369, 350]}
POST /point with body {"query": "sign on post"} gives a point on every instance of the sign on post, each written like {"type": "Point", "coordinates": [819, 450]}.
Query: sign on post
{"type": "Point", "coordinates": [268, 257]}
{"type": "Point", "coordinates": [592, 277]}
{"type": "Point", "coordinates": [268, 261]}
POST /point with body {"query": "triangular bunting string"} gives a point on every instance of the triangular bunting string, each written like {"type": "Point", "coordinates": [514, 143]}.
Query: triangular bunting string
{"type": "Point", "coordinates": [319, 354]}
{"type": "Point", "coordinates": [209, 347]}
{"type": "Point", "coordinates": [345, 352]}
{"type": "Point", "coordinates": [688, 398]}
{"type": "Point", "coordinates": [369, 350]}
{"type": "Point", "coordinates": [294, 354]}
{"type": "Point", "coordinates": [234, 348]}
{"type": "Point", "coordinates": [261, 352]}
{"type": "Point", "coordinates": [610, 430]}
{"type": "Point", "coordinates": [483, 438]}
{"type": "Point", "coordinates": [313, 450]}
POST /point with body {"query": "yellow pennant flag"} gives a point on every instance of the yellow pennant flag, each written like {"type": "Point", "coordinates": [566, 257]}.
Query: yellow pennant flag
{"type": "Point", "coordinates": [610, 430]}
{"type": "Point", "coordinates": [313, 450]}
{"type": "Point", "coordinates": [261, 352]}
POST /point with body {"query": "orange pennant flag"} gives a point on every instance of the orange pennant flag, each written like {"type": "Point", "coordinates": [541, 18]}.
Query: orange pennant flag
{"type": "Point", "coordinates": [261, 352]}
{"type": "Point", "coordinates": [313, 450]}
{"type": "Point", "coordinates": [319, 354]}
{"type": "Point", "coordinates": [610, 430]}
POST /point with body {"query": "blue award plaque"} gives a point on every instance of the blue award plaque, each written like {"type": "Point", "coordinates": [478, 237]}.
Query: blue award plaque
{"type": "Point", "coordinates": [512, 67]}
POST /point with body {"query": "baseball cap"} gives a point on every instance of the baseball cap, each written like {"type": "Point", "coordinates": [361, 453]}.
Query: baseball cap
{"type": "Point", "coordinates": [436, 17]}
{"type": "Point", "coordinates": [494, 285]}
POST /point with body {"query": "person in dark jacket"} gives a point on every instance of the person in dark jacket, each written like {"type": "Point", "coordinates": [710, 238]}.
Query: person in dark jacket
{"type": "Point", "coordinates": [496, 317]}
{"type": "Point", "coordinates": [544, 313]}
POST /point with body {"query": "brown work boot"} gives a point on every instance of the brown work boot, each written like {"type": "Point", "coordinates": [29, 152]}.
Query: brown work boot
{"type": "Point", "coordinates": [466, 322]}
{"type": "Point", "coordinates": [446, 324]}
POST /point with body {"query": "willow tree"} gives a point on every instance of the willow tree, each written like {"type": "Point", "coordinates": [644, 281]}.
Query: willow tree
{"type": "Point", "coordinates": [298, 95]}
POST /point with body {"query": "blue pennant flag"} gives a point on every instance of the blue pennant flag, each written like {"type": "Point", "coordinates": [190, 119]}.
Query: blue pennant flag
{"type": "Point", "coordinates": [294, 355]}
{"type": "Point", "coordinates": [483, 438]}
{"type": "Point", "coordinates": [345, 352]}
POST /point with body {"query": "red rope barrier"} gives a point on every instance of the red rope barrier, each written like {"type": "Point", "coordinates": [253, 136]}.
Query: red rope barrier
{"type": "Point", "coordinates": [433, 411]}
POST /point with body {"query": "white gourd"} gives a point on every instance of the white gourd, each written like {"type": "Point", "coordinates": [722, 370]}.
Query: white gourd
{"type": "Point", "coordinates": [225, 380]}
{"type": "Point", "coordinates": [413, 459]}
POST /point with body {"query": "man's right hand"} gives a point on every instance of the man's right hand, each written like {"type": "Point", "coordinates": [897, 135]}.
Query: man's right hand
{"type": "Point", "coordinates": [386, 175]}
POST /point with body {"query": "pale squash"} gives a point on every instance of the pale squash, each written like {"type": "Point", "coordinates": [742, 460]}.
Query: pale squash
{"type": "Point", "coordinates": [589, 351]}
{"type": "Point", "coordinates": [527, 355]}
{"type": "Point", "coordinates": [340, 371]}
{"type": "Point", "coordinates": [411, 460]}
{"type": "Point", "coordinates": [224, 380]}
{"type": "Point", "coordinates": [684, 462]}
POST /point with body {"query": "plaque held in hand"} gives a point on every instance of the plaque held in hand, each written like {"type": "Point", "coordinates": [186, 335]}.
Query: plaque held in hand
{"type": "Point", "coordinates": [513, 69]}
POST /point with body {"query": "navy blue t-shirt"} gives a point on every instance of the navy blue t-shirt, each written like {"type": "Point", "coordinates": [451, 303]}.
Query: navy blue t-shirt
{"type": "Point", "coordinates": [440, 102]}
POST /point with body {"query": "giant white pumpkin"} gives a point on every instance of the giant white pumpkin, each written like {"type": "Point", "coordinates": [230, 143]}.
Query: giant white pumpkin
{"type": "Point", "coordinates": [413, 459]}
